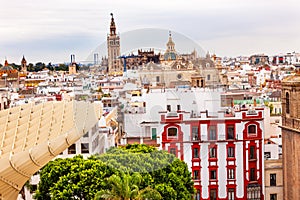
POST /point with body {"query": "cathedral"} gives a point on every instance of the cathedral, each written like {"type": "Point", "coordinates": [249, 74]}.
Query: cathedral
{"type": "Point", "coordinates": [168, 69]}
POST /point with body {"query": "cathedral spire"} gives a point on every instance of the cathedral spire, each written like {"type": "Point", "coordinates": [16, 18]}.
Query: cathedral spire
{"type": "Point", "coordinates": [23, 60]}
{"type": "Point", "coordinates": [112, 25]}
{"type": "Point", "coordinates": [23, 64]}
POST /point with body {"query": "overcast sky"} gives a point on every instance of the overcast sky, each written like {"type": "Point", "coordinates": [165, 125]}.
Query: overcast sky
{"type": "Point", "coordinates": [49, 31]}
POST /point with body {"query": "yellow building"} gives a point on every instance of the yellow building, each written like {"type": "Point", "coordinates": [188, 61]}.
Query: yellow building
{"type": "Point", "coordinates": [72, 68]}
{"type": "Point", "coordinates": [33, 82]}
{"type": "Point", "coordinates": [273, 179]}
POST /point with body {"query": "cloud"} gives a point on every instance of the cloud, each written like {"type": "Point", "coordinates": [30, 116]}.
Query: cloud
{"type": "Point", "coordinates": [50, 49]}
{"type": "Point", "coordinates": [80, 25]}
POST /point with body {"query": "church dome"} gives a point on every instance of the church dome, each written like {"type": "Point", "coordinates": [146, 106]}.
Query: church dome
{"type": "Point", "coordinates": [170, 56]}
{"type": "Point", "coordinates": [6, 68]}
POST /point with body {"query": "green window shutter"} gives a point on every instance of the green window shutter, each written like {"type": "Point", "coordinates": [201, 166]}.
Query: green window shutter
{"type": "Point", "coordinates": [153, 133]}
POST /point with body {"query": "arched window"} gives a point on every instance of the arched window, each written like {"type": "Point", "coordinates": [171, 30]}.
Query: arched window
{"type": "Point", "coordinates": [251, 129]}
{"type": "Point", "coordinates": [287, 97]}
{"type": "Point", "coordinates": [172, 132]}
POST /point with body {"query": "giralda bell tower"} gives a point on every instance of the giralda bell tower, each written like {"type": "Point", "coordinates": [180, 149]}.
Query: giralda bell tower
{"type": "Point", "coordinates": [113, 47]}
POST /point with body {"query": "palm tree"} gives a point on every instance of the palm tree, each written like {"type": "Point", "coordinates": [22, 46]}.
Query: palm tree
{"type": "Point", "coordinates": [126, 187]}
{"type": "Point", "coordinates": [148, 194]}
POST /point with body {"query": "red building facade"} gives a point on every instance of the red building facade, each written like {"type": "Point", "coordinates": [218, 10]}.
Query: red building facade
{"type": "Point", "coordinates": [224, 152]}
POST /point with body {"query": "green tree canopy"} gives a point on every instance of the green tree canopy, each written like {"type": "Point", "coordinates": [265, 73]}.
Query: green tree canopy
{"type": "Point", "coordinates": [15, 66]}
{"type": "Point", "coordinates": [62, 67]}
{"type": "Point", "coordinates": [166, 173]}
{"type": "Point", "coordinates": [39, 66]}
{"type": "Point", "coordinates": [30, 67]}
{"type": "Point", "coordinates": [71, 178]}
{"type": "Point", "coordinates": [126, 186]}
{"type": "Point", "coordinates": [152, 171]}
{"type": "Point", "coordinates": [50, 67]}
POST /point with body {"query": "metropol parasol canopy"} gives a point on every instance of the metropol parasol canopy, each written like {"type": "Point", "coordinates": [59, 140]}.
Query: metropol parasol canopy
{"type": "Point", "coordinates": [32, 135]}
